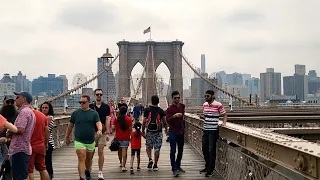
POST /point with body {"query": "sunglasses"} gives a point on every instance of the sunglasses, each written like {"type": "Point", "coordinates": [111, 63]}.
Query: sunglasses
{"type": "Point", "coordinates": [98, 94]}
{"type": "Point", "coordinates": [176, 98]}
{"type": "Point", "coordinates": [44, 108]}
{"type": "Point", "coordinates": [82, 102]}
{"type": "Point", "coordinates": [10, 101]}
{"type": "Point", "coordinates": [206, 96]}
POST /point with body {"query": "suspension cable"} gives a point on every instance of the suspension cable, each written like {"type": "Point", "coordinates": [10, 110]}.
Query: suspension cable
{"type": "Point", "coordinates": [141, 77]}
{"type": "Point", "coordinates": [211, 83]}
{"type": "Point", "coordinates": [87, 82]}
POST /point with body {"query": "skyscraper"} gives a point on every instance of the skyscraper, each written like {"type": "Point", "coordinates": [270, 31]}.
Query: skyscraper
{"type": "Point", "coordinates": [102, 82]}
{"type": "Point", "coordinates": [299, 69]}
{"type": "Point", "coordinates": [270, 84]}
{"type": "Point", "coordinates": [203, 63]}
{"type": "Point", "coordinates": [297, 84]}
{"type": "Point", "coordinates": [22, 83]}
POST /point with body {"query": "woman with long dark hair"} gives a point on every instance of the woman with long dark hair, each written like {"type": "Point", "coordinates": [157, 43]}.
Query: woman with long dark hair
{"type": "Point", "coordinates": [47, 109]}
{"type": "Point", "coordinates": [123, 127]}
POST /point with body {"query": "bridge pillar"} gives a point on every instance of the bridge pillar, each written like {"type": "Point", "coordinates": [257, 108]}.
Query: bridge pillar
{"type": "Point", "coordinates": [124, 76]}
{"type": "Point", "coordinates": [176, 74]}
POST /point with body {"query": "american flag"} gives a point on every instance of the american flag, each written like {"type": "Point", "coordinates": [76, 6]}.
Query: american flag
{"type": "Point", "coordinates": [147, 30]}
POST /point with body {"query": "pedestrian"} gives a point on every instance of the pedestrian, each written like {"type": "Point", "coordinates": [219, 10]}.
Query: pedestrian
{"type": "Point", "coordinates": [136, 144]}
{"type": "Point", "coordinates": [212, 110]}
{"type": "Point", "coordinates": [175, 118]}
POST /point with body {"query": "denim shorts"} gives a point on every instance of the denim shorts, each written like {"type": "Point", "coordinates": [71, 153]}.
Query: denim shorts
{"type": "Point", "coordinates": [123, 143]}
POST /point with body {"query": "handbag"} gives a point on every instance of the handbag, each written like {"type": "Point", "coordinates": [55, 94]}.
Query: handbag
{"type": "Point", "coordinates": [114, 146]}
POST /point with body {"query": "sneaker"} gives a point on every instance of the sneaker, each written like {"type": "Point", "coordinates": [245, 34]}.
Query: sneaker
{"type": "Point", "coordinates": [88, 175]}
{"type": "Point", "coordinates": [138, 168]}
{"type": "Point", "coordinates": [155, 167]}
{"type": "Point", "coordinates": [209, 174]}
{"type": "Point", "coordinates": [150, 164]}
{"type": "Point", "coordinates": [175, 173]}
{"type": "Point", "coordinates": [82, 179]}
{"type": "Point", "coordinates": [124, 169]}
{"type": "Point", "coordinates": [181, 170]}
{"type": "Point", "coordinates": [131, 170]}
{"type": "Point", "coordinates": [100, 176]}
{"type": "Point", "coordinates": [203, 170]}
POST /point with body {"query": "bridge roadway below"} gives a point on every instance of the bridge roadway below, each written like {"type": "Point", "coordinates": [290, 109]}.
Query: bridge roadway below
{"type": "Point", "coordinates": [66, 168]}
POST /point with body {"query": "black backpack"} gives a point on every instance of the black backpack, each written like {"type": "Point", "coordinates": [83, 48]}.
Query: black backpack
{"type": "Point", "coordinates": [153, 121]}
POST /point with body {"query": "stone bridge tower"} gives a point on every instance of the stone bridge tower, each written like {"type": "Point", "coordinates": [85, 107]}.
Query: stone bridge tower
{"type": "Point", "coordinates": [158, 52]}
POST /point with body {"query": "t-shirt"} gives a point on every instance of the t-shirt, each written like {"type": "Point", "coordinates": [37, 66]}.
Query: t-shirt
{"type": "Point", "coordinates": [103, 111]}
{"type": "Point", "coordinates": [154, 112]}
{"type": "Point", "coordinates": [21, 142]}
{"type": "Point", "coordinates": [136, 141]}
{"type": "Point", "coordinates": [2, 121]}
{"type": "Point", "coordinates": [123, 135]}
{"type": "Point", "coordinates": [211, 115]}
{"type": "Point", "coordinates": [136, 111]}
{"type": "Point", "coordinates": [85, 125]}
{"type": "Point", "coordinates": [38, 135]}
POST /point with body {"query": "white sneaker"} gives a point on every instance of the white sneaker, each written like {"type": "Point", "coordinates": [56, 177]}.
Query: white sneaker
{"type": "Point", "coordinates": [100, 176]}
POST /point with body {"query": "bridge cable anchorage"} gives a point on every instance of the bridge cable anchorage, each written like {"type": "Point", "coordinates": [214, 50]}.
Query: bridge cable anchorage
{"type": "Point", "coordinates": [211, 83]}
{"type": "Point", "coordinates": [87, 82]}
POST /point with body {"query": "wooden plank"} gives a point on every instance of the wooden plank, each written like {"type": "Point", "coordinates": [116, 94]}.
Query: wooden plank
{"type": "Point", "coordinates": [65, 165]}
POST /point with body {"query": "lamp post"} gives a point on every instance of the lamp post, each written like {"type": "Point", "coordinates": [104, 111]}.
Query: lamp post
{"type": "Point", "coordinates": [106, 60]}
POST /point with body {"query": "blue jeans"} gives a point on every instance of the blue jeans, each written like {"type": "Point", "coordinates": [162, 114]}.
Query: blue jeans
{"type": "Point", "coordinates": [175, 140]}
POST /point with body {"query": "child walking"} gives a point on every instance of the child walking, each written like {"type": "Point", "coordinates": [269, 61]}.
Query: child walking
{"type": "Point", "coordinates": [135, 144]}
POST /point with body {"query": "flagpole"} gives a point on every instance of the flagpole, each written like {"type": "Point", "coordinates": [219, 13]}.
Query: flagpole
{"type": "Point", "coordinates": [150, 33]}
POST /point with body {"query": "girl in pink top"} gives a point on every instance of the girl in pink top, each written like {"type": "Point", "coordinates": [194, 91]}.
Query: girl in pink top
{"type": "Point", "coordinates": [112, 114]}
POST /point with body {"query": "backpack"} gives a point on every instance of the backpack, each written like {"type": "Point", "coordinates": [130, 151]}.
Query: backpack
{"type": "Point", "coordinates": [154, 124]}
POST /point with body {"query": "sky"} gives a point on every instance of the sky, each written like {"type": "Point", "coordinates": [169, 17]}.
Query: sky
{"type": "Point", "coordinates": [247, 36]}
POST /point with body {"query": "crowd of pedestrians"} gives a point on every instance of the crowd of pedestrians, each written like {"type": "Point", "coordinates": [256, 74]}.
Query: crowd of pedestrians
{"type": "Point", "coordinates": [27, 141]}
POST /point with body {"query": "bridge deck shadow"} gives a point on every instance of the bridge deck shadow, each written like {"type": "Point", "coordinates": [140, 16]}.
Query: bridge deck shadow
{"type": "Point", "coordinates": [65, 165]}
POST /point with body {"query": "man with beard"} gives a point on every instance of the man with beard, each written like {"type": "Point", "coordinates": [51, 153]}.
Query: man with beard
{"type": "Point", "coordinates": [8, 111]}
{"type": "Point", "coordinates": [103, 110]}
{"type": "Point", "coordinates": [212, 110]}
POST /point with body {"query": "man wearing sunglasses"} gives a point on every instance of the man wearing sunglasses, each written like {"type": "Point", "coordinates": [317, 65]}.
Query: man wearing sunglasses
{"type": "Point", "coordinates": [212, 110]}
{"type": "Point", "coordinates": [175, 119]}
{"type": "Point", "coordinates": [8, 109]}
{"type": "Point", "coordinates": [86, 121]}
{"type": "Point", "coordinates": [103, 110]}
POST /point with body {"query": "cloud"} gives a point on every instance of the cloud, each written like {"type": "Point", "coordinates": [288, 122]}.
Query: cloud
{"type": "Point", "coordinates": [96, 16]}
{"type": "Point", "coordinates": [245, 16]}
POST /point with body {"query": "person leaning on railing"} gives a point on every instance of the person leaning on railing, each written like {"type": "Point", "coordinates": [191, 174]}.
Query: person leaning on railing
{"type": "Point", "coordinates": [212, 110]}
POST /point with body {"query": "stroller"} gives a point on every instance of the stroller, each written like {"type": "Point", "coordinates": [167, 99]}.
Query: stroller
{"type": "Point", "coordinates": [5, 171]}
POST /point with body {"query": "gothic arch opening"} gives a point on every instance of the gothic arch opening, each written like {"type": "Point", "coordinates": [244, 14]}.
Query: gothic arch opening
{"type": "Point", "coordinates": [135, 75]}
{"type": "Point", "coordinates": [164, 79]}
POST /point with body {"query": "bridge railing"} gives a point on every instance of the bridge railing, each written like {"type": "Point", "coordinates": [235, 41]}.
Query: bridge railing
{"type": "Point", "coordinates": [248, 153]}
{"type": "Point", "coordinates": [60, 128]}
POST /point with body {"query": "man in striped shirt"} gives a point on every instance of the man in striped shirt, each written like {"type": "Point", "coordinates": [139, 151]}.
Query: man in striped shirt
{"type": "Point", "coordinates": [212, 110]}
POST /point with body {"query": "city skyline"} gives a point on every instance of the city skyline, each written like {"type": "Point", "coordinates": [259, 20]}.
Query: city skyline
{"type": "Point", "coordinates": [234, 36]}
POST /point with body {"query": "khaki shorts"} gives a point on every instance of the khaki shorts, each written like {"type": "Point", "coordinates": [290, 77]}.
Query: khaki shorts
{"type": "Point", "coordinates": [101, 140]}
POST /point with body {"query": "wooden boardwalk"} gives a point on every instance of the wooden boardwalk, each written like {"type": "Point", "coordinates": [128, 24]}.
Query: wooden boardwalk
{"type": "Point", "coordinates": [65, 165]}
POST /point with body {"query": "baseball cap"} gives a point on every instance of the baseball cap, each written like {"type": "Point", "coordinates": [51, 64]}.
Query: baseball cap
{"type": "Point", "coordinates": [7, 97]}
{"type": "Point", "coordinates": [26, 95]}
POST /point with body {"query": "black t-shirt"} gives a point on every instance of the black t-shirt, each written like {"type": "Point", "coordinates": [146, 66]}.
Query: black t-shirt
{"type": "Point", "coordinates": [154, 112]}
{"type": "Point", "coordinates": [103, 111]}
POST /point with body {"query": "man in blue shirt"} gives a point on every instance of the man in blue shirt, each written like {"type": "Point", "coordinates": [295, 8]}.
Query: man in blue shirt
{"type": "Point", "coordinates": [136, 111]}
